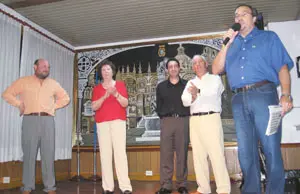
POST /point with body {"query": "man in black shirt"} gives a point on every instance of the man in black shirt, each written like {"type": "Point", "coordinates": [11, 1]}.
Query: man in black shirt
{"type": "Point", "coordinates": [174, 129]}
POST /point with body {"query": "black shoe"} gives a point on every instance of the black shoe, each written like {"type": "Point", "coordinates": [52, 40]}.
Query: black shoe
{"type": "Point", "coordinates": [183, 190]}
{"type": "Point", "coordinates": [108, 192]}
{"type": "Point", "coordinates": [127, 192]}
{"type": "Point", "coordinates": [164, 191]}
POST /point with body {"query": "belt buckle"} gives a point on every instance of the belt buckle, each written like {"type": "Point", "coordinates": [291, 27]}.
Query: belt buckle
{"type": "Point", "coordinates": [39, 114]}
{"type": "Point", "coordinates": [176, 115]}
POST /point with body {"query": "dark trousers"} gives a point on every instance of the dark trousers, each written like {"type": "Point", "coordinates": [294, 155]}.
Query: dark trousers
{"type": "Point", "coordinates": [174, 136]}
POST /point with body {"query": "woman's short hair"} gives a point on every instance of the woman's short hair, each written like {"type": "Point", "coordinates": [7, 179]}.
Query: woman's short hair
{"type": "Point", "coordinates": [112, 66]}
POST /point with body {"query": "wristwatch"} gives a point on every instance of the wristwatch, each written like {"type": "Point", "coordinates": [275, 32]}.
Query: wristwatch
{"type": "Point", "coordinates": [287, 95]}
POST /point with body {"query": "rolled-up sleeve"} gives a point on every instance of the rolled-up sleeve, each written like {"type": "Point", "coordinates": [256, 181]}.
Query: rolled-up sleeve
{"type": "Point", "coordinates": [11, 93]}
{"type": "Point", "coordinates": [62, 98]}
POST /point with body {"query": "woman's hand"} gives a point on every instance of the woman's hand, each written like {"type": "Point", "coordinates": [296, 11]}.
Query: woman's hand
{"type": "Point", "coordinates": [106, 95]}
{"type": "Point", "coordinates": [112, 91]}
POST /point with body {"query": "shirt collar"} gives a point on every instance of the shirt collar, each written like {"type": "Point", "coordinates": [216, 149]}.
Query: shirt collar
{"type": "Point", "coordinates": [203, 77]}
{"type": "Point", "coordinates": [179, 82]}
{"type": "Point", "coordinates": [38, 79]}
{"type": "Point", "coordinates": [253, 33]}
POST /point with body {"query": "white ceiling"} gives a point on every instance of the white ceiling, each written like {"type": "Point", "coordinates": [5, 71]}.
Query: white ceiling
{"type": "Point", "coordinates": [89, 22]}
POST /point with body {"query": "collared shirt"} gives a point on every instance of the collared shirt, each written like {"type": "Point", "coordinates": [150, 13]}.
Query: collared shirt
{"type": "Point", "coordinates": [257, 57]}
{"type": "Point", "coordinates": [168, 98]}
{"type": "Point", "coordinates": [37, 97]}
{"type": "Point", "coordinates": [209, 98]}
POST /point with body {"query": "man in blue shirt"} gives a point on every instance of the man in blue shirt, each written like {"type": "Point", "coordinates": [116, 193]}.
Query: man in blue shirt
{"type": "Point", "coordinates": [256, 62]}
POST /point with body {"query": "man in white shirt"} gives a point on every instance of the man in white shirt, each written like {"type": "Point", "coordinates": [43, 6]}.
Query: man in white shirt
{"type": "Point", "coordinates": [203, 95]}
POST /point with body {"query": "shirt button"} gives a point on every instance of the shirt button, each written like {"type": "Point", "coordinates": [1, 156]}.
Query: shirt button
{"type": "Point", "coordinates": [243, 57]}
{"type": "Point", "coordinates": [245, 40]}
{"type": "Point", "coordinates": [242, 77]}
{"type": "Point", "coordinates": [242, 67]}
{"type": "Point", "coordinates": [244, 49]}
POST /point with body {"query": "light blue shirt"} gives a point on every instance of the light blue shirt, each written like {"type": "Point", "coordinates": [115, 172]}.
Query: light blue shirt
{"type": "Point", "coordinates": [257, 57]}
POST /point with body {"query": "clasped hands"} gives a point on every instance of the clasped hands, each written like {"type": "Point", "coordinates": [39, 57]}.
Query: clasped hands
{"type": "Point", "coordinates": [111, 91]}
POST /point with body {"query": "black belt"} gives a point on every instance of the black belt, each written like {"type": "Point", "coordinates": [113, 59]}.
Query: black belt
{"type": "Point", "coordinates": [204, 113]}
{"type": "Point", "coordinates": [251, 86]}
{"type": "Point", "coordinates": [38, 114]}
{"type": "Point", "coordinates": [174, 115]}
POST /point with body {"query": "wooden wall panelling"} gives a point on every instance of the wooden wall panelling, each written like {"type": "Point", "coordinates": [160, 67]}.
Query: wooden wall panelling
{"type": "Point", "coordinates": [140, 159]}
{"type": "Point", "coordinates": [148, 158]}
{"type": "Point", "coordinates": [14, 171]}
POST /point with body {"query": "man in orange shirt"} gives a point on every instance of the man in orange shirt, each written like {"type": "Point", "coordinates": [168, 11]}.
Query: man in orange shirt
{"type": "Point", "coordinates": [37, 98]}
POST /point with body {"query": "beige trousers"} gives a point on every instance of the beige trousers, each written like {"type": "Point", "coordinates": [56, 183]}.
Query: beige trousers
{"type": "Point", "coordinates": [206, 135]}
{"type": "Point", "coordinates": [112, 141]}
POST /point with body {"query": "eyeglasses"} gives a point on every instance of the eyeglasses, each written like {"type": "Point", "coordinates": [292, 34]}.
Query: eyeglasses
{"type": "Point", "coordinates": [241, 15]}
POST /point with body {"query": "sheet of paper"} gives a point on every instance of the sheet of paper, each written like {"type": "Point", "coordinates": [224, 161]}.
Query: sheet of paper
{"type": "Point", "coordinates": [274, 119]}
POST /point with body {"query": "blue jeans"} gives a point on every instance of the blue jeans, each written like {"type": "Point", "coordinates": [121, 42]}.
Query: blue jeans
{"type": "Point", "coordinates": [251, 115]}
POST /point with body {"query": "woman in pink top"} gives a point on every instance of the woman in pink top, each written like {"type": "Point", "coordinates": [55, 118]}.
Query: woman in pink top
{"type": "Point", "coordinates": [110, 100]}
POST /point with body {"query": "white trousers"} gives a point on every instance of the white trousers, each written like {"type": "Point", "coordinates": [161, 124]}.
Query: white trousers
{"type": "Point", "coordinates": [112, 141]}
{"type": "Point", "coordinates": [206, 135]}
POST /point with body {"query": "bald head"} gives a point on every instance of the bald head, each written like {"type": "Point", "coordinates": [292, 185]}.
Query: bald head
{"type": "Point", "coordinates": [201, 57]}
{"type": "Point", "coordinates": [41, 68]}
{"type": "Point", "coordinates": [200, 65]}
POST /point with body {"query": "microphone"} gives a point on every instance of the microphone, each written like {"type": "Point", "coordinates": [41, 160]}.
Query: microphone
{"type": "Point", "coordinates": [235, 27]}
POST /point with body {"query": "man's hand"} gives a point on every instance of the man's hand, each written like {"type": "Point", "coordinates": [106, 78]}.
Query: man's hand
{"type": "Point", "coordinates": [231, 34]}
{"type": "Point", "coordinates": [22, 108]}
{"type": "Point", "coordinates": [193, 90]}
{"type": "Point", "coordinates": [286, 103]}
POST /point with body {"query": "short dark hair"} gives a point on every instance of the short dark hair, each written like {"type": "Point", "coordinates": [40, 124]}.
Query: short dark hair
{"type": "Point", "coordinates": [36, 62]}
{"type": "Point", "coordinates": [253, 10]}
{"type": "Point", "coordinates": [172, 59]}
{"type": "Point", "coordinates": [112, 66]}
